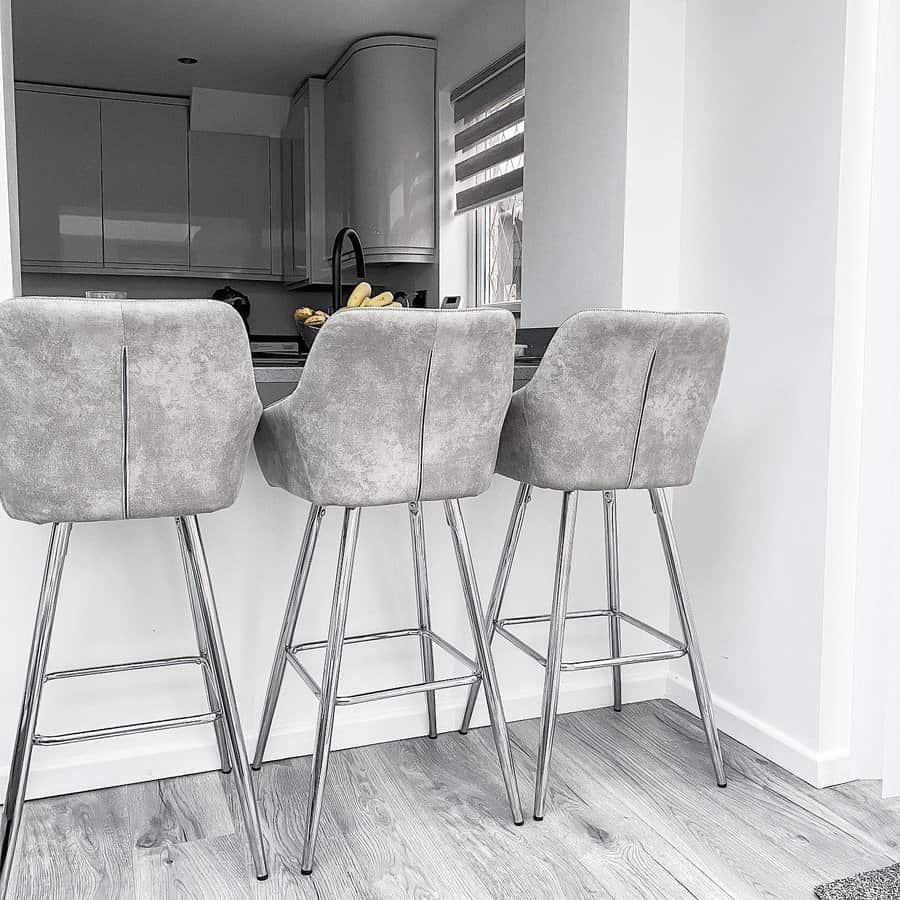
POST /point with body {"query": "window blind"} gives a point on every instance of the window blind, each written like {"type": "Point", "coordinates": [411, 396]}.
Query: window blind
{"type": "Point", "coordinates": [489, 112]}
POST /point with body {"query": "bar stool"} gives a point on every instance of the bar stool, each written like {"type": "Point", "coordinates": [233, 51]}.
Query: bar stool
{"type": "Point", "coordinates": [112, 411]}
{"type": "Point", "coordinates": [620, 400]}
{"type": "Point", "coordinates": [424, 393]}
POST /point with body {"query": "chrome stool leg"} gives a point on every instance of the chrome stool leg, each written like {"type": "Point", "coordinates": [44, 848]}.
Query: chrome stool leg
{"type": "Point", "coordinates": [289, 625]}
{"type": "Point", "coordinates": [612, 591]}
{"type": "Point", "coordinates": [483, 654]}
{"type": "Point", "coordinates": [203, 648]}
{"type": "Point", "coordinates": [193, 542]}
{"type": "Point", "coordinates": [329, 689]}
{"type": "Point", "coordinates": [555, 648]}
{"type": "Point", "coordinates": [11, 817]}
{"type": "Point", "coordinates": [498, 591]}
{"type": "Point", "coordinates": [679, 589]}
{"type": "Point", "coordinates": [420, 571]}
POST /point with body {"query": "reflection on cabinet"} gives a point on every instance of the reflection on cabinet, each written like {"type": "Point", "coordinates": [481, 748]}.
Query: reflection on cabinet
{"type": "Point", "coordinates": [58, 139]}
{"type": "Point", "coordinates": [231, 202]}
{"type": "Point", "coordinates": [303, 185]}
{"type": "Point", "coordinates": [104, 188]}
{"type": "Point", "coordinates": [145, 191]}
{"type": "Point", "coordinates": [380, 147]}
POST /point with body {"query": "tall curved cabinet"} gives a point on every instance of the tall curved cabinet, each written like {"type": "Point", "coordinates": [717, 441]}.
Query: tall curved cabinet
{"type": "Point", "coordinates": [380, 137]}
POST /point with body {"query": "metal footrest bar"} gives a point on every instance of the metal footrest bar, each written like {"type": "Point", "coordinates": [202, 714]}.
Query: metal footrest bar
{"type": "Point", "coordinates": [387, 693]}
{"type": "Point", "coordinates": [358, 639]}
{"type": "Point", "coordinates": [679, 648]}
{"type": "Point", "coordinates": [300, 669]}
{"type": "Point", "coordinates": [128, 667]}
{"type": "Point", "coordinates": [582, 664]}
{"type": "Point", "coordinates": [447, 647]}
{"type": "Point", "coordinates": [95, 734]}
{"type": "Point", "coordinates": [419, 688]}
{"type": "Point", "coordinates": [120, 730]}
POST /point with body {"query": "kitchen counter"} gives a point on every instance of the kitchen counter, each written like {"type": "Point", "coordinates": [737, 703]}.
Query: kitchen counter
{"type": "Point", "coordinates": [274, 382]}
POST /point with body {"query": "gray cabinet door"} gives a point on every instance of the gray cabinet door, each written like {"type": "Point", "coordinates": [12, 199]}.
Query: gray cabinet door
{"type": "Point", "coordinates": [58, 141]}
{"type": "Point", "coordinates": [145, 184]}
{"type": "Point", "coordinates": [231, 197]}
{"type": "Point", "coordinates": [303, 153]}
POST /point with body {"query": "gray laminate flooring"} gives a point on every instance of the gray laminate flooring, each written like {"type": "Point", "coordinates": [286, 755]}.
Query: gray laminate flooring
{"type": "Point", "coordinates": [634, 812]}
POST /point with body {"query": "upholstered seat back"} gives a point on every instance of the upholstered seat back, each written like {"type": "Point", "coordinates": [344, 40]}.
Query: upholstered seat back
{"type": "Point", "coordinates": [122, 409]}
{"type": "Point", "coordinates": [394, 405]}
{"type": "Point", "coordinates": [621, 399]}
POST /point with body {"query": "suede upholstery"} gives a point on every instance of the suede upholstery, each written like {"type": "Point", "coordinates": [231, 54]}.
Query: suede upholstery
{"type": "Point", "coordinates": [394, 405]}
{"type": "Point", "coordinates": [122, 409]}
{"type": "Point", "coordinates": [621, 399]}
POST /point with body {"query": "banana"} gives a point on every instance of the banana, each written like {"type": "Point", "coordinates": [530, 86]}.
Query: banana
{"type": "Point", "coordinates": [396, 304]}
{"type": "Point", "coordinates": [359, 294]}
{"type": "Point", "coordinates": [383, 299]}
{"type": "Point", "coordinates": [302, 314]}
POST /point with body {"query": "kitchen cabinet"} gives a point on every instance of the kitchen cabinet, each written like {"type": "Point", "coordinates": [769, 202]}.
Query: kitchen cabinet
{"type": "Point", "coordinates": [145, 184]}
{"type": "Point", "coordinates": [305, 231]}
{"type": "Point", "coordinates": [380, 147]}
{"type": "Point", "coordinates": [60, 205]}
{"type": "Point", "coordinates": [231, 202]}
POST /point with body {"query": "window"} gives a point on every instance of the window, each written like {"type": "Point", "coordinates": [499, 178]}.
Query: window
{"type": "Point", "coordinates": [489, 110]}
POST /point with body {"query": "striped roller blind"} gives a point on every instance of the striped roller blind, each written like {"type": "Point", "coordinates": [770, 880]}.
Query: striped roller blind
{"type": "Point", "coordinates": [489, 112]}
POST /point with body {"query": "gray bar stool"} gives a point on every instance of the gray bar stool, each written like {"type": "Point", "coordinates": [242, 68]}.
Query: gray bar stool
{"type": "Point", "coordinates": [620, 400]}
{"type": "Point", "coordinates": [394, 406]}
{"type": "Point", "coordinates": [112, 411]}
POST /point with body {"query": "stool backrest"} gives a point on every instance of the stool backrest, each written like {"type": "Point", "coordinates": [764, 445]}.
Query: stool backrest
{"type": "Point", "coordinates": [122, 409]}
{"type": "Point", "coordinates": [395, 405]}
{"type": "Point", "coordinates": [622, 398]}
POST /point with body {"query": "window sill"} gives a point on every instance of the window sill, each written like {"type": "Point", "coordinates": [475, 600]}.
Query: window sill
{"type": "Point", "coordinates": [514, 306]}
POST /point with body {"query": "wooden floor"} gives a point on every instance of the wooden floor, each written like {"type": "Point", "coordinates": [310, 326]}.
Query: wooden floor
{"type": "Point", "coordinates": [633, 812]}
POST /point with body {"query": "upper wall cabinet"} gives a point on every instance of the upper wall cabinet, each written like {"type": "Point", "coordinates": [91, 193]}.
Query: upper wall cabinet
{"type": "Point", "coordinates": [145, 189]}
{"type": "Point", "coordinates": [115, 183]}
{"type": "Point", "coordinates": [232, 215]}
{"type": "Point", "coordinates": [380, 147]}
{"type": "Point", "coordinates": [58, 138]}
{"type": "Point", "coordinates": [303, 188]}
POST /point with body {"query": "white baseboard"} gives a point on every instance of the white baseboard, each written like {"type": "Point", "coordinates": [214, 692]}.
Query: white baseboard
{"type": "Point", "coordinates": [101, 766]}
{"type": "Point", "coordinates": [818, 769]}
{"type": "Point", "coordinates": [354, 727]}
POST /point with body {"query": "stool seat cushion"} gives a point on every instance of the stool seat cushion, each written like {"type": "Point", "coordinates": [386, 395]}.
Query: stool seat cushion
{"type": "Point", "coordinates": [621, 399]}
{"type": "Point", "coordinates": [394, 405]}
{"type": "Point", "coordinates": [122, 409]}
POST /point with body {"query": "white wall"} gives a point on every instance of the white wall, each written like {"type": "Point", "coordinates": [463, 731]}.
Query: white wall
{"type": "Point", "coordinates": [876, 626]}
{"type": "Point", "coordinates": [654, 154]}
{"type": "Point", "coordinates": [576, 80]}
{"type": "Point", "coordinates": [762, 166]}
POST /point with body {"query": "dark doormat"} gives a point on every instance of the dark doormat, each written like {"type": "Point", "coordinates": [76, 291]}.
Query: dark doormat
{"type": "Point", "coordinates": [880, 884]}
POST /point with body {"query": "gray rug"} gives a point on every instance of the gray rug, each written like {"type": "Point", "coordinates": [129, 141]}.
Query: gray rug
{"type": "Point", "coordinates": [880, 884]}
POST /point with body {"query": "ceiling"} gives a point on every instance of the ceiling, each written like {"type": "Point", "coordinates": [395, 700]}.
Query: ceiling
{"type": "Point", "coordinates": [265, 46]}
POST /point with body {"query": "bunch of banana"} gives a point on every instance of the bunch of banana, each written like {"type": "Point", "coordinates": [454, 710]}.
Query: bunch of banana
{"type": "Point", "coordinates": [362, 297]}
{"type": "Point", "coordinates": [312, 317]}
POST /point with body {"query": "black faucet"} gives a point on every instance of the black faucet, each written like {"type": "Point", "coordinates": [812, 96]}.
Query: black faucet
{"type": "Point", "coordinates": [336, 253]}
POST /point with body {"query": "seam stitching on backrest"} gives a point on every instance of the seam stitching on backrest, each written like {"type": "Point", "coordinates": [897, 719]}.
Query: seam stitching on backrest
{"type": "Point", "coordinates": [640, 423]}
{"type": "Point", "coordinates": [124, 388]}
{"type": "Point", "coordinates": [425, 386]}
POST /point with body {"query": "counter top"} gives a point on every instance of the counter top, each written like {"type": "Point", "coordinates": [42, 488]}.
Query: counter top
{"type": "Point", "coordinates": [273, 374]}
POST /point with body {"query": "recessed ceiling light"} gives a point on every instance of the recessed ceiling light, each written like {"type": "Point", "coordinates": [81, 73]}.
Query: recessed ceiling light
{"type": "Point", "coordinates": [187, 60]}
